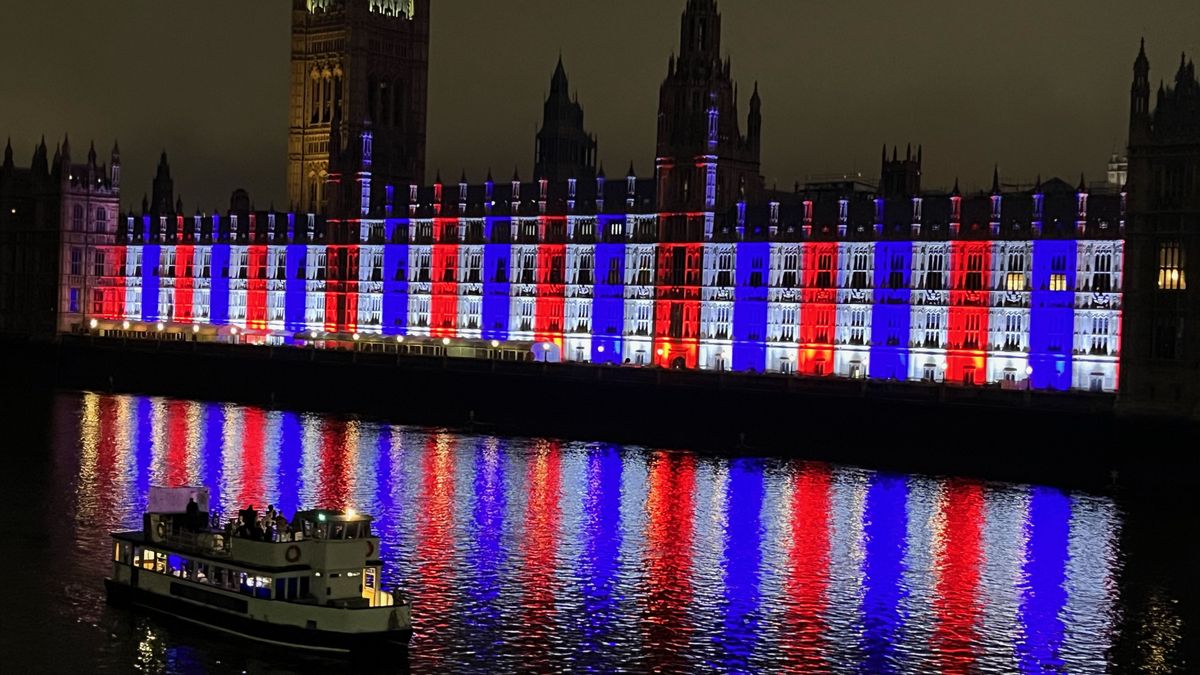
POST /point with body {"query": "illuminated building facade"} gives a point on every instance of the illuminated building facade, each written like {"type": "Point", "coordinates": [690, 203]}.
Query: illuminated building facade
{"type": "Point", "coordinates": [356, 65]}
{"type": "Point", "coordinates": [1017, 288]}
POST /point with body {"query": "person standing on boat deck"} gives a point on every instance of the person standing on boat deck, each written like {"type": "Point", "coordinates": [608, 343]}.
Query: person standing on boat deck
{"type": "Point", "coordinates": [271, 513]}
{"type": "Point", "coordinates": [192, 515]}
{"type": "Point", "coordinates": [281, 527]}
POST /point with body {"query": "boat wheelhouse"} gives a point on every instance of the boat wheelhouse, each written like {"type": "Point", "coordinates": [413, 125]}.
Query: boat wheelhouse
{"type": "Point", "coordinates": [313, 583]}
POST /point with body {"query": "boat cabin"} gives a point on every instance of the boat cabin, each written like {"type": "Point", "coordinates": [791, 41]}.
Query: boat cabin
{"type": "Point", "coordinates": [321, 556]}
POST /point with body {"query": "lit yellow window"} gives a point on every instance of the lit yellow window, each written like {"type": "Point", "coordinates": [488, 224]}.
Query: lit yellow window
{"type": "Point", "coordinates": [1015, 281]}
{"type": "Point", "coordinates": [1058, 282]}
{"type": "Point", "coordinates": [1171, 273]}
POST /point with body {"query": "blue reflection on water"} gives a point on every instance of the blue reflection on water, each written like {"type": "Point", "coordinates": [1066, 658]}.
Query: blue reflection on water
{"type": "Point", "coordinates": [600, 562]}
{"type": "Point", "coordinates": [1044, 593]}
{"type": "Point", "coordinates": [743, 556]}
{"type": "Point", "coordinates": [487, 523]}
{"type": "Point", "coordinates": [291, 451]}
{"type": "Point", "coordinates": [884, 529]}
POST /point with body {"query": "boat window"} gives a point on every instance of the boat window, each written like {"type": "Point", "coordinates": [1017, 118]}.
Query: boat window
{"type": "Point", "coordinates": [339, 531]}
{"type": "Point", "coordinates": [280, 588]}
{"type": "Point", "coordinates": [369, 577]}
{"type": "Point", "coordinates": [176, 566]}
{"type": "Point", "coordinates": [304, 587]}
{"type": "Point", "coordinates": [122, 552]}
{"type": "Point", "coordinates": [292, 584]}
{"type": "Point", "coordinates": [322, 531]}
{"type": "Point", "coordinates": [154, 561]}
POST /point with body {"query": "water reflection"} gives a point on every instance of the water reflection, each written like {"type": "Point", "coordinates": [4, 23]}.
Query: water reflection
{"type": "Point", "coordinates": [539, 555]}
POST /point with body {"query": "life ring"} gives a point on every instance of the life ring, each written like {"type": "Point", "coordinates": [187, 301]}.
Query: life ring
{"type": "Point", "coordinates": [370, 549]}
{"type": "Point", "coordinates": [162, 530]}
{"type": "Point", "coordinates": [292, 554]}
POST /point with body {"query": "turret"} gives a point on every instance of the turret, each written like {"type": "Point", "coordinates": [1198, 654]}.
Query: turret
{"type": "Point", "coordinates": [8, 155]}
{"type": "Point", "coordinates": [1139, 96]}
{"type": "Point", "coordinates": [754, 122]}
{"type": "Point", "coordinates": [114, 170]}
{"type": "Point", "coordinates": [163, 188]}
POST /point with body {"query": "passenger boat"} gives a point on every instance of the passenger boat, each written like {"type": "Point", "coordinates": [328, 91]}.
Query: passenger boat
{"type": "Point", "coordinates": [313, 584]}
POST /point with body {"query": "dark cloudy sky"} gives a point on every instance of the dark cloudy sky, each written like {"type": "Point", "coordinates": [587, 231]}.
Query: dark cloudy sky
{"type": "Point", "coordinates": [1036, 86]}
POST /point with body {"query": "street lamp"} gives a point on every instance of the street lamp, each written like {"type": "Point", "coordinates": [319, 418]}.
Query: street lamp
{"type": "Point", "coordinates": [159, 326]}
{"type": "Point", "coordinates": [93, 324]}
{"type": "Point", "coordinates": [125, 325]}
{"type": "Point", "coordinates": [356, 337]}
{"type": "Point", "coordinates": [546, 352]}
{"type": "Point", "coordinates": [445, 341]}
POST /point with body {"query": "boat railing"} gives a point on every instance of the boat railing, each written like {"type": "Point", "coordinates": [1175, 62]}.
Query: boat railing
{"type": "Point", "coordinates": [205, 541]}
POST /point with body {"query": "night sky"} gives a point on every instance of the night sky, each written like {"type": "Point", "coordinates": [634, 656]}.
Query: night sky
{"type": "Point", "coordinates": [1036, 86]}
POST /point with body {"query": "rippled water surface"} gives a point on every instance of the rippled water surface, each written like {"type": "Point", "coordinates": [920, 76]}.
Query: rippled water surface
{"type": "Point", "coordinates": [544, 556]}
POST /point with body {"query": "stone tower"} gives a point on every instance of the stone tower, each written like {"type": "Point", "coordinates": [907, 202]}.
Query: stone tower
{"type": "Point", "coordinates": [564, 148]}
{"type": "Point", "coordinates": [704, 162]}
{"type": "Point", "coordinates": [358, 66]}
{"type": "Point", "coordinates": [1160, 366]}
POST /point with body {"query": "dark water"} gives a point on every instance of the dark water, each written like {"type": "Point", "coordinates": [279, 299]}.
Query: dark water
{"type": "Point", "coordinates": [544, 556]}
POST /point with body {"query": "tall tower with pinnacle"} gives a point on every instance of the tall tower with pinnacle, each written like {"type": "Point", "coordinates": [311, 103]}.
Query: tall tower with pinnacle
{"type": "Point", "coordinates": [704, 162]}
{"type": "Point", "coordinates": [564, 148]}
{"type": "Point", "coordinates": [358, 66]}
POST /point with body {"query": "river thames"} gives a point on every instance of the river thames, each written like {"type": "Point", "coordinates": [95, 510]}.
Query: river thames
{"type": "Point", "coordinates": [535, 555]}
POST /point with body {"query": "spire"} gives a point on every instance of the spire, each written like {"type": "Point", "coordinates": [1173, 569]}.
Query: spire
{"type": "Point", "coordinates": [1038, 185]}
{"type": "Point", "coordinates": [8, 154]}
{"type": "Point", "coordinates": [600, 173]}
{"type": "Point", "coordinates": [516, 174]}
{"type": "Point", "coordinates": [754, 98]}
{"type": "Point", "coordinates": [955, 192]}
{"type": "Point", "coordinates": [463, 178]}
{"type": "Point", "coordinates": [438, 180]}
{"type": "Point", "coordinates": [116, 151]}
{"type": "Point", "coordinates": [632, 173]}
{"type": "Point", "coordinates": [558, 82]}
{"type": "Point", "coordinates": [996, 179]}
{"type": "Point", "coordinates": [489, 176]}
{"type": "Point", "coordinates": [92, 154]}
{"type": "Point", "coordinates": [66, 147]}
{"type": "Point", "coordinates": [1082, 183]}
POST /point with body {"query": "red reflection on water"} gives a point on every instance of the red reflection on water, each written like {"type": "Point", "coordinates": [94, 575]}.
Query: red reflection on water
{"type": "Point", "coordinates": [177, 441]}
{"type": "Point", "coordinates": [435, 542]}
{"type": "Point", "coordinates": [669, 532]}
{"type": "Point", "coordinates": [540, 549]}
{"type": "Point", "coordinates": [804, 640]}
{"type": "Point", "coordinates": [252, 458]}
{"type": "Point", "coordinates": [956, 595]}
{"type": "Point", "coordinates": [332, 483]}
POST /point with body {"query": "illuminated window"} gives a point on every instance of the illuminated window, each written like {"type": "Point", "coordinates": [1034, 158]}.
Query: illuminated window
{"type": "Point", "coordinates": [1015, 281]}
{"type": "Point", "coordinates": [935, 267]}
{"type": "Point", "coordinates": [1058, 282]}
{"type": "Point", "coordinates": [1171, 272]}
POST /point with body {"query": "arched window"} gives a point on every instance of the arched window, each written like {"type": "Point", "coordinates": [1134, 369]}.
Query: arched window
{"type": "Point", "coordinates": [77, 218]}
{"type": "Point", "coordinates": [101, 218]}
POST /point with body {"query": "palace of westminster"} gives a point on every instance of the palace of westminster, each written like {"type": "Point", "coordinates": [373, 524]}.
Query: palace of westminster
{"type": "Point", "coordinates": [1058, 285]}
